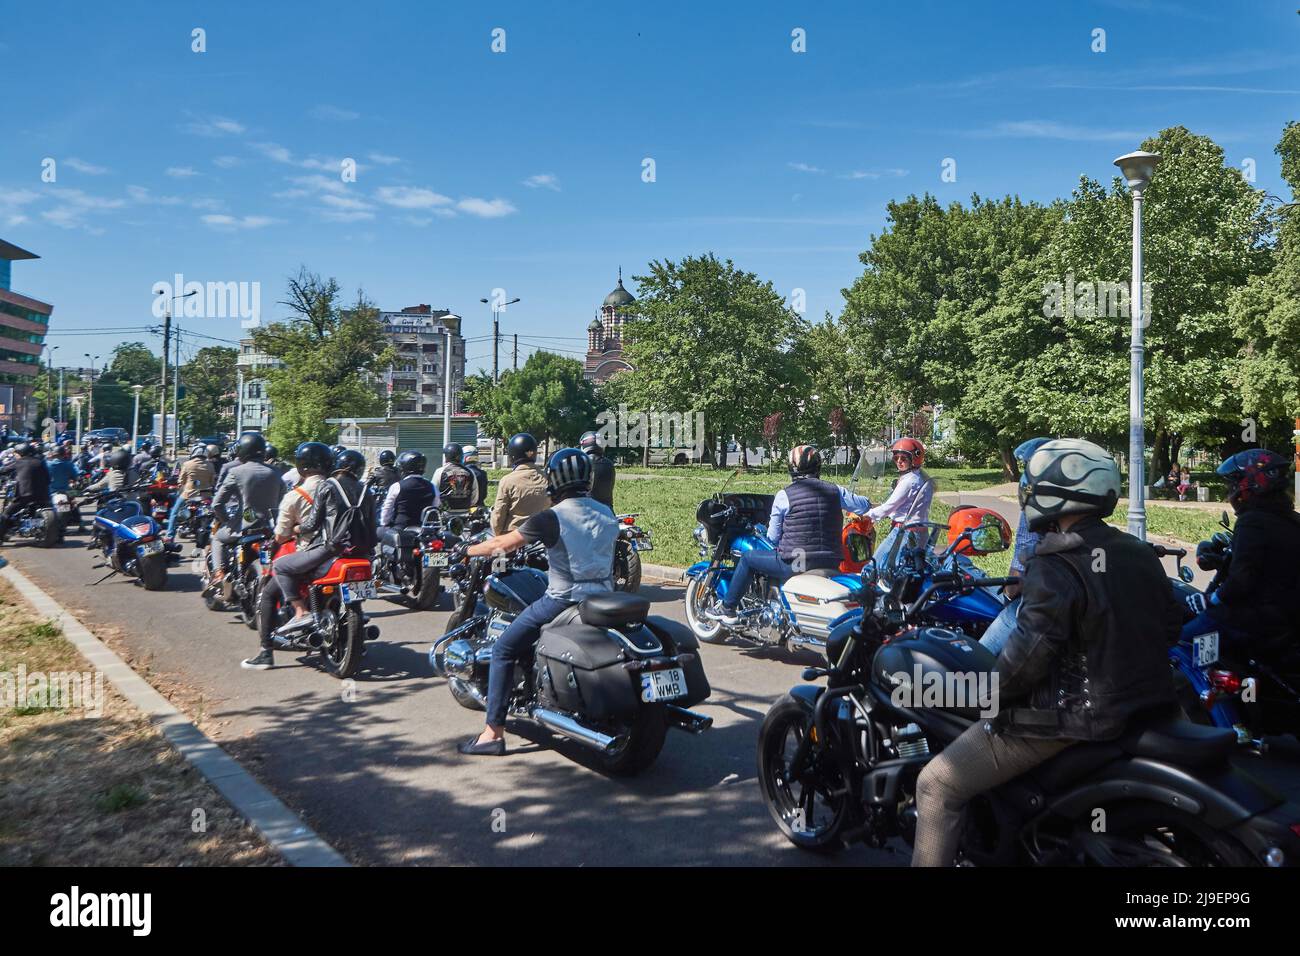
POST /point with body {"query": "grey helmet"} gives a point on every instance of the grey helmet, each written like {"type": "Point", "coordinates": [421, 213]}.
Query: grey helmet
{"type": "Point", "coordinates": [1068, 476]}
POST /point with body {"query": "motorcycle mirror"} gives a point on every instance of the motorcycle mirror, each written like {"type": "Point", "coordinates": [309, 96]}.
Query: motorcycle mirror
{"type": "Point", "coordinates": [1186, 574]}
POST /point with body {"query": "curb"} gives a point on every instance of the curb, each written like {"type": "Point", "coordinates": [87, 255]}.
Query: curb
{"type": "Point", "coordinates": [663, 573]}
{"type": "Point", "coordinates": [280, 826]}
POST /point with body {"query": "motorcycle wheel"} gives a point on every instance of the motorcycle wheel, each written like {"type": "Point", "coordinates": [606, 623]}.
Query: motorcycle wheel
{"type": "Point", "coordinates": [341, 652]}
{"type": "Point", "coordinates": [642, 745]}
{"type": "Point", "coordinates": [784, 727]}
{"type": "Point", "coordinates": [248, 603]}
{"type": "Point", "coordinates": [1148, 834]}
{"type": "Point", "coordinates": [426, 599]}
{"type": "Point", "coordinates": [153, 572]}
{"type": "Point", "coordinates": [627, 569]}
{"type": "Point", "coordinates": [698, 597]}
{"type": "Point", "coordinates": [52, 533]}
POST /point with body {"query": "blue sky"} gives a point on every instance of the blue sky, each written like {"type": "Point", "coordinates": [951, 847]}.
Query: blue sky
{"type": "Point", "coordinates": [522, 170]}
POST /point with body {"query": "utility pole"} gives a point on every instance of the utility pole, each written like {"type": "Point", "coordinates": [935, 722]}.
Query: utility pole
{"type": "Point", "coordinates": [239, 403]}
{"type": "Point", "coordinates": [496, 342]}
{"type": "Point", "coordinates": [176, 400]}
{"type": "Point", "coordinates": [516, 351]}
{"type": "Point", "coordinates": [167, 341]}
{"type": "Point", "coordinates": [62, 423]}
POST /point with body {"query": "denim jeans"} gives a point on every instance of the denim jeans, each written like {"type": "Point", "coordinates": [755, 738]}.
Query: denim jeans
{"type": "Point", "coordinates": [514, 645]}
{"type": "Point", "coordinates": [1000, 631]}
{"type": "Point", "coordinates": [177, 506]}
{"type": "Point", "coordinates": [763, 562]}
{"type": "Point", "coordinates": [883, 549]}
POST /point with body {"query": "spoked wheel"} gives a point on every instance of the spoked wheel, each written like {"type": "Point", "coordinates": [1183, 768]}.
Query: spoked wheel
{"type": "Point", "coordinates": [343, 645]}
{"type": "Point", "coordinates": [698, 599]}
{"type": "Point", "coordinates": [248, 602]}
{"type": "Point", "coordinates": [1148, 834]}
{"type": "Point", "coordinates": [802, 800]}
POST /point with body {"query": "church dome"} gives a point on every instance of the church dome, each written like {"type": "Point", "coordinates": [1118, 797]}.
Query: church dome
{"type": "Point", "coordinates": [620, 296]}
{"type": "Point", "coordinates": [595, 326]}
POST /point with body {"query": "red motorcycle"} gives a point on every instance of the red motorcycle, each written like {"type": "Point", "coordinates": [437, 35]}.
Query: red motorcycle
{"type": "Point", "coordinates": [335, 599]}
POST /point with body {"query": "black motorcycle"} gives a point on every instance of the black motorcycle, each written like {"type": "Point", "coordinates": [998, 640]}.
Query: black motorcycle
{"type": "Point", "coordinates": [237, 588]}
{"type": "Point", "coordinates": [605, 673]}
{"type": "Point", "coordinates": [42, 526]}
{"type": "Point", "coordinates": [840, 763]}
{"type": "Point", "coordinates": [414, 568]}
{"type": "Point", "coordinates": [632, 540]}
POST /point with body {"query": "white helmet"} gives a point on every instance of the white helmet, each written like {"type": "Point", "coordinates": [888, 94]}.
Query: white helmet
{"type": "Point", "coordinates": [1068, 476]}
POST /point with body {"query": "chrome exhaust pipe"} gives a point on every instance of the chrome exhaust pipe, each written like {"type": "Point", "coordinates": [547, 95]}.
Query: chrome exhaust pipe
{"type": "Point", "coordinates": [570, 728]}
{"type": "Point", "coordinates": [435, 652]}
{"type": "Point", "coordinates": [687, 720]}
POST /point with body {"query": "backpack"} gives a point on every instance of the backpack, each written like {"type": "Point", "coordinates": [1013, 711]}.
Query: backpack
{"type": "Point", "coordinates": [354, 532]}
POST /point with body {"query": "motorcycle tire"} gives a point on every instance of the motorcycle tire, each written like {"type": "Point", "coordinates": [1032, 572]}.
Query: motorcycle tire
{"type": "Point", "coordinates": [789, 716]}
{"type": "Point", "coordinates": [426, 599]}
{"type": "Point", "coordinates": [153, 573]}
{"type": "Point", "coordinates": [698, 597]}
{"type": "Point", "coordinates": [52, 533]}
{"type": "Point", "coordinates": [1179, 837]}
{"type": "Point", "coordinates": [248, 603]}
{"type": "Point", "coordinates": [645, 739]}
{"type": "Point", "coordinates": [627, 569]}
{"type": "Point", "coordinates": [342, 655]}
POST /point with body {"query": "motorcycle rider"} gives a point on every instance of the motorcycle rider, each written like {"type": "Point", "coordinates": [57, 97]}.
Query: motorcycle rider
{"type": "Point", "coordinates": [149, 460]}
{"type": "Point", "coordinates": [523, 492]}
{"type": "Point", "coordinates": [1252, 607]}
{"type": "Point", "coordinates": [805, 525]}
{"type": "Point", "coordinates": [384, 474]}
{"type": "Point", "coordinates": [997, 633]}
{"type": "Point", "coordinates": [406, 500]}
{"type": "Point", "coordinates": [469, 458]}
{"type": "Point", "coordinates": [273, 459]}
{"type": "Point", "coordinates": [457, 488]}
{"type": "Point", "coordinates": [121, 474]}
{"type": "Point", "coordinates": [1089, 652]}
{"type": "Point", "coordinates": [313, 461]}
{"type": "Point", "coordinates": [579, 534]}
{"type": "Point", "coordinates": [341, 522]}
{"type": "Point", "coordinates": [31, 488]}
{"type": "Point", "coordinates": [194, 479]}
{"type": "Point", "coordinates": [602, 469]}
{"type": "Point", "coordinates": [63, 472]}
{"type": "Point", "coordinates": [251, 485]}
{"type": "Point", "coordinates": [908, 505]}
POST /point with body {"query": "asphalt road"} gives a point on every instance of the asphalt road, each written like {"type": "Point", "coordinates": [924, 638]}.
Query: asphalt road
{"type": "Point", "coordinates": [378, 775]}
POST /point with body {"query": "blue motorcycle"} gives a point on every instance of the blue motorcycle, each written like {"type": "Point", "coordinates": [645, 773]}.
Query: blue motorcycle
{"type": "Point", "coordinates": [130, 541]}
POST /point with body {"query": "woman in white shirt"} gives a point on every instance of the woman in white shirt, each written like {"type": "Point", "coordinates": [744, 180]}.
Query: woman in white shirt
{"type": "Point", "coordinates": [909, 503]}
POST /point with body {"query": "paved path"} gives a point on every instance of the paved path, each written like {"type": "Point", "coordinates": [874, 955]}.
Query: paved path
{"type": "Point", "coordinates": [378, 776]}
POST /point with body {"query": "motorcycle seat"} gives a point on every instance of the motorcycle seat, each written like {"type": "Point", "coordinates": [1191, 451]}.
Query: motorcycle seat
{"type": "Point", "coordinates": [613, 608]}
{"type": "Point", "coordinates": [1177, 740]}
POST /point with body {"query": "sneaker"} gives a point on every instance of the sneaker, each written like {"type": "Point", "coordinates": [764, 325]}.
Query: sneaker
{"type": "Point", "coordinates": [304, 623]}
{"type": "Point", "coordinates": [723, 615]}
{"type": "Point", "coordinates": [264, 661]}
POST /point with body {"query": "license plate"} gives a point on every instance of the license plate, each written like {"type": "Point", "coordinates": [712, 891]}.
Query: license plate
{"type": "Point", "coordinates": [1205, 648]}
{"type": "Point", "coordinates": [264, 556]}
{"type": "Point", "coordinates": [642, 544]}
{"type": "Point", "coordinates": [358, 591]}
{"type": "Point", "coordinates": [435, 559]}
{"type": "Point", "coordinates": [663, 685]}
{"type": "Point", "coordinates": [151, 547]}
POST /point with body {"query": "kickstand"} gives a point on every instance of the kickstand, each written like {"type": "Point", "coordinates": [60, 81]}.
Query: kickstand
{"type": "Point", "coordinates": [104, 578]}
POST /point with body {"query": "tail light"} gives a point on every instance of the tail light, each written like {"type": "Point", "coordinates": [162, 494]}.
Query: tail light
{"type": "Point", "coordinates": [629, 520]}
{"type": "Point", "coordinates": [1224, 682]}
{"type": "Point", "coordinates": [357, 573]}
{"type": "Point", "coordinates": [436, 544]}
{"type": "Point", "coordinates": [255, 546]}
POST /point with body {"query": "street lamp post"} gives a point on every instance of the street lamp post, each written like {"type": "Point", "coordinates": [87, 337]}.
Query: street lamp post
{"type": "Point", "coordinates": [496, 334]}
{"type": "Point", "coordinates": [446, 383]}
{"type": "Point", "coordinates": [1137, 169]}
{"type": "Point", "coordinates": [135, 419]}
{"type": "Point", "coordinates": [49, 384]}
{"type": "Point", "coordinates": [76, 407]}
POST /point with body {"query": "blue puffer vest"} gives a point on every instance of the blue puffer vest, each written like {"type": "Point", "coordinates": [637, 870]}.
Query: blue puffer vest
{"type": "Point", "coordinates": [813, 525]}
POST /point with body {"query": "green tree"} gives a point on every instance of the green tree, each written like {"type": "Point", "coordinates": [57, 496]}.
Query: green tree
{"type": "Point", "coordinates": [548, 398]}
{"type": "Point", "coordinates": [209, 380]}
{"type": "Point", "coordinates": [332, 356]}
{"type": "Point", "coordinates": [131, 364]}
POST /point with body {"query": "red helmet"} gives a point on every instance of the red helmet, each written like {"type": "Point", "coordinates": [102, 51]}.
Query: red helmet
{"type": "Point", "coordinates": [989, 531]}
{"type": "Point", "coordinates": [1254, 472]}
{"type": "Point", "coordinates": [805, 460]}
{"type": "Point", "coordinates": [911, 447]}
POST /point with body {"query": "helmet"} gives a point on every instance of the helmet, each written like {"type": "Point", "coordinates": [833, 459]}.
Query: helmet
{"type": "Point", "coordinates": [451, 453]}
{"type": "Point", "coordinates": [1025, 451]}
{"type": "Point", "coordinates": [521, 448]}
{"type": "Point", "coordinates": [24, 449]}
{"type": "Point", "coordinates": [412, 463]}
{"type": "Point", "coordinates": [568, 472]}
{"type": "Point", "coordinates": [120, 460]}
{"type": "Point", "coordinates": [338, 448]}
{"type": "Point", "coordinates": [805, 460]}
{"type": "Point", "coordinates": [989, 531]}
{"type": "Point", "coordinates": [1068, 476]}
{"type": "Point", "coordinates": [272, 452]}
{"type": "Point", "coordinates": [469, 453]}
{"type": "Point", "coordinates": [1252, 473]}
{"type": "Point", "coordinates": [590, 443]}
{"type": "Point", "coordinates": [214, 451]}
{"type": "Point", "coordinates": [387, 458]}
{"type": "Point", "coordinates": [155, 451]}
{"type": "Point", "coordinates": [350, 460]}
{"type": "Point", "coordinates": [313, 456]}
{"type": "Point", "coordinates": [910, 447]}
{"type": "Point", "coordinates": [199, 451]}
{"type": "Point", "coordinates": [251, 447]}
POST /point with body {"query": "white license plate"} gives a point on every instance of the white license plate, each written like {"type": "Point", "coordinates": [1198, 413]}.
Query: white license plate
{"type": "Point", "coordinates": [151, 547]}
{"type": "Point", "coordinates": [264, 556]}
{"type": "Point", "coordinates": [663, 685]}
{"type": "Point", "coordinates": [1205, 648]}
{"type": "Point", "coordinates": [435, 559]}
{"type": "Point", "coordinates": [358, 591]}
{"type": "Point", "coordinates": [641, 544]}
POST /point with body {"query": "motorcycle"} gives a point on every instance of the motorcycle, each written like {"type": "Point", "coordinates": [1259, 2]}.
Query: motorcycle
{"type": "Point", "coordinates": [197, 523]}
{"type": "Point", "coordinates": [1216, 685]}
{"type": "Point", "coordinates": [238, 586]}
{"type": "Point", "coordinates": [414, 569]}
{"type": "Point", "coordinates": [335, 598]}
{"type": "Point", "coordinates": [42, 526]}
{"type": "Point", "coordinates": [605, 673]}
{"type": "Point", "coordinates": [467, 584]}
{"type": "Point", "coordinates": [839, 762]}
{"type": "Point", "coordinates": [129, 540]}
{"type": "Point", "coordinates": [632, 540]}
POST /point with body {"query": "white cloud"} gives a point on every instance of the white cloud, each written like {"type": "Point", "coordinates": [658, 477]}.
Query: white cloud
{"type": "Point", "coordinates": [81, 166]}
{"type": "Point", "coordinates": [229, 223]}
{"type": "Point", "coordinates": [543, 181]}
{"type": "Point", "coordinates": [805, 168]}
{"type": "Point", "coordinates": [383, 159]}
{"type": "Point", "coordinates": [214, 126]}
{"type": "Point", "coordinates": [411, 197]}
{"type": "Point", "coordinates": [327, 112]}
{"type": "Point", "coordinates": [143, 196]}
{"type": "Point", "coordinates": [1049, 129]}
{"type": "Point", "coordinates": [227, 162]}
{"type": "Point", "coordinates": [273, 151]}
{"type": "Point", "coordinates": [486, 208]}
{"type": "Point", "coordinates": [180, 172]}
{"type": "Point", "coordinates": [874, 174]}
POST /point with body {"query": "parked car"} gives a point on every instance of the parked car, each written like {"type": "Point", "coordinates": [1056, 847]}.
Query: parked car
{"type": "Point", "coordinates": [118, 436]}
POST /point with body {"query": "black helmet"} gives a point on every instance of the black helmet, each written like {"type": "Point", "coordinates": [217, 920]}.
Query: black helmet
{"type": "Point", "coordinates": [120, 460]}
{"type": "Point", "coordinates": [155, 451]}
{"type": "Point", "coordinates": [313, 456]}
{"type": "Point", "coordinates": [590, 443]}
{"type": "Point", "coordinates": [521, 448]}
{"type": "Point", "coordinates": [451, 452]}
{"type": "Point", "coordinates": [350, 460]}
{"type": "Point", "coordinates": [412, 463]}
{"type": "Point", "coordinates": [387, 458]}
{"type": "Point", "coordinates": [213, 451]}
{"type": "Point", "coordinates": [272, 452]}
{"type": "Point", "coordinates": [251, 447]}
{"type": "Point", "coordinates": [24, 449]}
{"type": "Point", "coordinates": [568, 473]}
{"type": "Point", "coordinates": [338, 448]}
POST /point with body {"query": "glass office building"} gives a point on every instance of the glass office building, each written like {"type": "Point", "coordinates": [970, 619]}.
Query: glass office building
{"type": "Point", "coordinates": [24, 322]}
